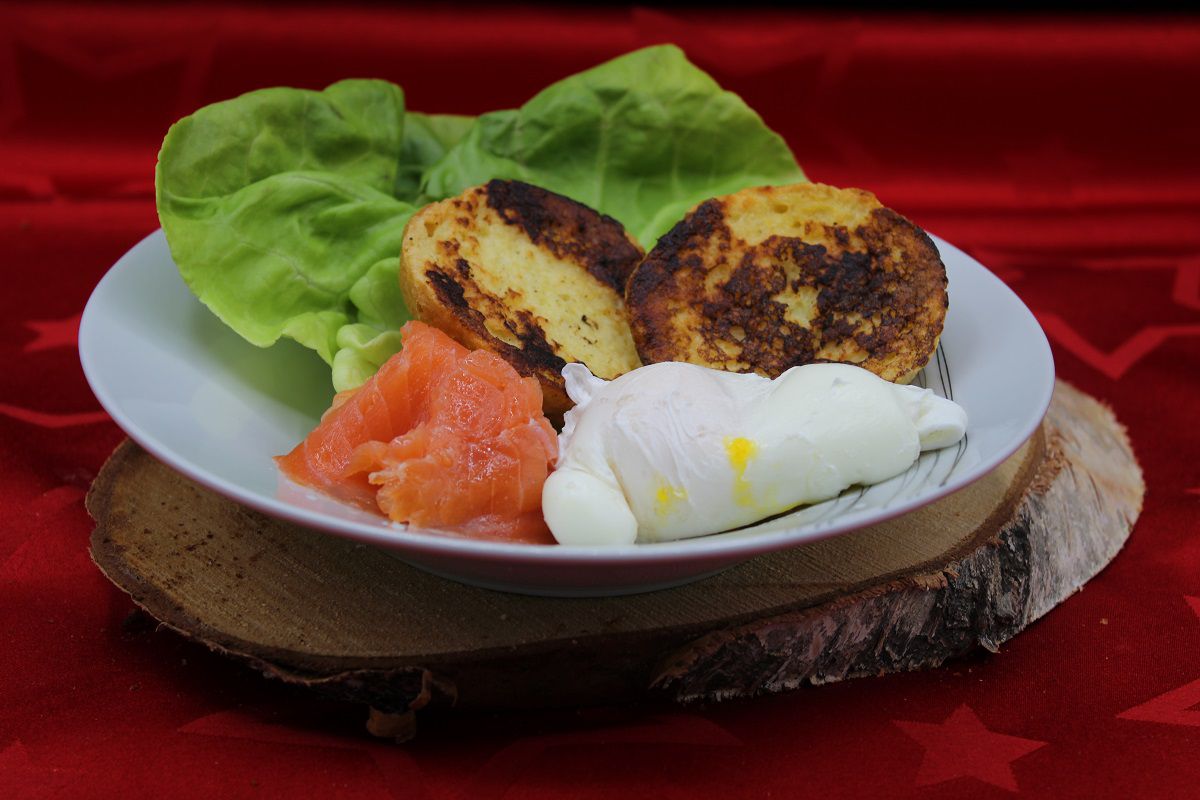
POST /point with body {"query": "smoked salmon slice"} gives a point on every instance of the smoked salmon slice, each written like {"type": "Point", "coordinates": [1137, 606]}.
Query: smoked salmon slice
{"type": "Point", "coordinates": [440, 437]}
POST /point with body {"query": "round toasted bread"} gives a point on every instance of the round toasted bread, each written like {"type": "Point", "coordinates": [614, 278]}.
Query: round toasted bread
{"type": "Point", "coordinates": [772, 277]}
{"type": "Point", "coordinates": [529, 274]}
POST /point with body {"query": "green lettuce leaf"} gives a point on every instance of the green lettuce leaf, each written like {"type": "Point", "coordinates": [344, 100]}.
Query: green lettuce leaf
{"type": "Point", "coordinates": [427, 137]}
{"type": "Point", "coordinates": [363, 346]}
{"type": "Point", "coordinates": [642, 138]}
{"type": "Point", "coordinates": [277, 202]}
{"type": "Point", "coordinates": [285, 208]}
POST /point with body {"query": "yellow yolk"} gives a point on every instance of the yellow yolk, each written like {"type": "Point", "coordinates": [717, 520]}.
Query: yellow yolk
{"type": "Point", "coordinates": [667, 498]}
{"type": "Point", "coordinates": [674, 450]}
{"type": "Point", "coordinates": [741, 451]}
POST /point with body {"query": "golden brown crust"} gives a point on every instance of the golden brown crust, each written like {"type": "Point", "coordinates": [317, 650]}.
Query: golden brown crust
{"type": "Point", "coordinates": [528, 274]}
{"type": "Point", "coordinates": [769, 278]}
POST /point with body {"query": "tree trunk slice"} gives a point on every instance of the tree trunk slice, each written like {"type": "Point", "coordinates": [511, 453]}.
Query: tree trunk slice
{"type": "Point", "coordinates": [354, 622]}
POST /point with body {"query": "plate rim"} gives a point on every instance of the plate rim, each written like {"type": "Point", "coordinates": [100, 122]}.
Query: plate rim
{"type": "Point", "coordinates": [401, 540]}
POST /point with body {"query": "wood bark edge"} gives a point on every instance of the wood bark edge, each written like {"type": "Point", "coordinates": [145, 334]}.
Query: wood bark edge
{"type": "Point", "coordinates": [1049, 548]}
{"type": "Point", "coordinates": [1021, 563]}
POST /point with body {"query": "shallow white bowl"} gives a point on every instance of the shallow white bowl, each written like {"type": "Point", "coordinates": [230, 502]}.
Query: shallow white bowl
{"type": "Point", "coordinates": [215, 408]}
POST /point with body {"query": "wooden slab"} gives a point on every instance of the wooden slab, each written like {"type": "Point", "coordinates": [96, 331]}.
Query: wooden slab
{"type": "Point", "coordinates": [354, 622]}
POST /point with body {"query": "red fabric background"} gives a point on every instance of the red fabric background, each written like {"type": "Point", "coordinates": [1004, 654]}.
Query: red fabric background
{"type": "Point", "coordinates": [1059, 151]}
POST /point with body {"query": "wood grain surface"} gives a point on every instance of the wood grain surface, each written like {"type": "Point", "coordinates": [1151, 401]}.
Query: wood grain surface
{"type": "Point", "coordinates": [354, 622]}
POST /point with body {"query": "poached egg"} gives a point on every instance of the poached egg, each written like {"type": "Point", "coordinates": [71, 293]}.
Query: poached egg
{"type": "Point", "coordinates": [675, 450]}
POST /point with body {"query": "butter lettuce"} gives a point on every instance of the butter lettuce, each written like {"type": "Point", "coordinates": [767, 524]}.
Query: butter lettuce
{"type": "Point", "coordinates": [275, 203]}
{"type": "Point", "coordinates": [427, 137]}
{"type": "Point", "coordinates": [284, 208]}
{"type": "Point", "coordinates": [364, 345]}
{"type": "Point", "coordinates": [642, 138]}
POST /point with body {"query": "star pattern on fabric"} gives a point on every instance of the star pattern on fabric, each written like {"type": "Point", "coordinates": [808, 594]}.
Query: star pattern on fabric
{"type": "Point", "coordinates": [1174, 312]}
{"type": "Point", "coordinates": [1185, 293]}
{"type": "Point", "coordinates": [52, 333]}
{"type": "Point", "coordinates": [50, 419]}
{"type": "Point", "coordinates": [1174, 707]}
{"type": "Point", "coordinates": [963, 747]}
{"type": "Point", "coordinates": [28, 554]}
{"type": "Point", "coordinates": [1116, 363]}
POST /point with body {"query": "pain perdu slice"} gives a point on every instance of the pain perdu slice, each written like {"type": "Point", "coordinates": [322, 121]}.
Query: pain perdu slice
{"type": "Point", "coordinates": [772, 277]}
{"type": "Point", "coordinates": [526, 273]}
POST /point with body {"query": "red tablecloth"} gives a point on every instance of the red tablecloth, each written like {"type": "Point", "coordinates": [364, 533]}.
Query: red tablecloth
{"type": "Point", "coordinates": [1062, 152]}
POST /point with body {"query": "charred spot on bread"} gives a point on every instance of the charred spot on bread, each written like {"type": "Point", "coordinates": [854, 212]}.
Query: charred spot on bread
{"type": "Point", "coordinates": [533, 353]}
{"type": "Point", "coordinates": [771, 278]}
{"type": "Point", "coordinates": [568, 229]}
{"type": "Point", "coordinates": [531, 275]}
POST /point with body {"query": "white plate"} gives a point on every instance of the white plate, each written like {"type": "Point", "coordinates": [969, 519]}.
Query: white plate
{"type": "Point", "coordinates": [216, 408]}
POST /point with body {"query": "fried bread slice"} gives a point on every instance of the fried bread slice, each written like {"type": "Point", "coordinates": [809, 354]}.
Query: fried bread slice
{"type": "Point", "coordinates": [772, 277]}
{"type": "Point", "coordinates": [529, 274]}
